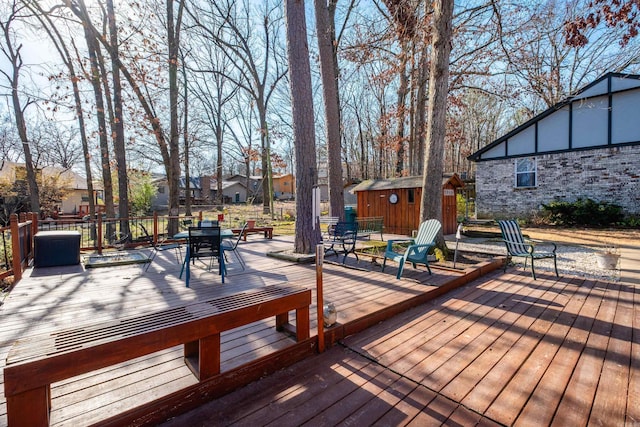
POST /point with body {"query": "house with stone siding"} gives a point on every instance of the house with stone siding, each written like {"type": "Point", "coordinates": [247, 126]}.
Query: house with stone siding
{"type": "Point", "coordinates": [587, 146]}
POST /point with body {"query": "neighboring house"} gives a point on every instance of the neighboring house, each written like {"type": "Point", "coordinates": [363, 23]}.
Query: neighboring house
{"type": "Point", "coordinates": [203, 191]}
{"type": "Point", "coordinates": [398, 201]}
{"type": "Point", "coordinates": [254, 191]}
{"type": "Point", "coordinates": [161, 199]}
{"type": "Point", "coordinates": [587, 146]}
{"type": "Point", "coordinates": [284, 186]}
{"type": "Point", "coordinates": [234, 192]}
{"type": "Point", "coordinates": [75, 186]}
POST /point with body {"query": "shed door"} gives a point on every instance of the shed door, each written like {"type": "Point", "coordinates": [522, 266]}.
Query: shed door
{"type": "Point", "coordinates": [449, 211]}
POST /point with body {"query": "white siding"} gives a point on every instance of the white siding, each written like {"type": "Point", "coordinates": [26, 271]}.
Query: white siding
{"type": "Point", "coordinates": [497, 151]}
{"type": "Point", "coordinates": [621, 83]}
{"type": "Point", "coordinates": [590, 119]}
{"type": "Point", "coordinates": [523, 142]}
{"type": "Point", "coordinates": [553, 131]}
{"type": "Point", "coordinates": [625, 120]}
{"type": "Point", "coordinates": [598, 89]}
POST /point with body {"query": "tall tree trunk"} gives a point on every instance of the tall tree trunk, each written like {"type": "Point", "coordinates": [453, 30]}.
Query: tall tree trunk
{"type": "Point", "coordinates": [118, 143]}
{"type": "Point", "coordinates": [93, 47]}
{"type": "Point", "coordinates": [364, 152]}
{"type": "Point", "coordinates": [67, 59]}
{"type": "Point", "coordinates": [15, 59]}
{"type": "Point", "coordinates": [303, 125]}
{"type": "Point", "coordinates": [401, 110]}
{"type": "Point", "coordinates": [325, 29]}
{"type": "Point", "coordinates": [431, 203]}
{"type": "Point", "coordinates": [267, 194]}
{"type": "Point", "coordinates": [100, 80]}
{"type": "Point", "coordinates": [420, 116]}
{"type": "Point", "coordinates": [34, 193]}
{"type": "Point", "coordinates": [185, 140]}
{"type": "Point", "coordinates": [173, 166]}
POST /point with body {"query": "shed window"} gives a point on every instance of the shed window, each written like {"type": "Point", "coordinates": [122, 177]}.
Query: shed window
{"type": "Point", "coordinates": [526, 173]}
{"type": "Point", "coordinates": [411, 195]}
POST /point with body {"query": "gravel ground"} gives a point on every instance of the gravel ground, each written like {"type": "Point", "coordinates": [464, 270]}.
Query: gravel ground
{"type": "Point", "coordinates": [573, 260]}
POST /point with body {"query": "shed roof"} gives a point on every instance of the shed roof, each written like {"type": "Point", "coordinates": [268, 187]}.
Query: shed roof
{"type": "Point", "coordinates": [403, 182]}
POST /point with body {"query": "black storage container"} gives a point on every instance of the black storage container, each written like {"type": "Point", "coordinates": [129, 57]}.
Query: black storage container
{"type": "Point", "coordinates": [54, 248]}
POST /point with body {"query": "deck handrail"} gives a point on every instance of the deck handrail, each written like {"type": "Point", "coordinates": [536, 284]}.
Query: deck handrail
{"type": "Point", "coordinates": [95, 235]}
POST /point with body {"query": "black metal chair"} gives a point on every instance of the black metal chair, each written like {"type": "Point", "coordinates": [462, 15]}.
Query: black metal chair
{"type": "Point", "coordinates": [160, 247]}
{"type": "Point", "coordinates": [342, 239]}
{"type": "Point", "coordinates": [204, 242]}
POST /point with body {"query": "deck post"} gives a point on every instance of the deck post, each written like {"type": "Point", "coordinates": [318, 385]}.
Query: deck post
{"type": "Point", "coordinates": [319, 297]}
{"type": "Point", "coordinates": [29, 408]}
{"type": "Point", "coordinates": [15, 247]}
{"type": "Point", "coordinates": [155, 228]}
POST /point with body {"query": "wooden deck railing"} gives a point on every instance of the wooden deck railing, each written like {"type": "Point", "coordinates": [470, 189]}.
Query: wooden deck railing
{"type": "Point", "coordinates": [95, 235]}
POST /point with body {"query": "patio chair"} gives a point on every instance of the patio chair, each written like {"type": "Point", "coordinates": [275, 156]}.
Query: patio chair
{"type": "Point", "coordinates": [342, 239]}
{"type": "Point", "coordinates": [418, 249]}
{"type": "Point", "coordinates": [232, 246]}
{"type": "Point", "coordinates": [160, 247]}
{"type": "Point", "coordinates": [204, 242]}
{"type": "Point", "coordinates": [518, 246]}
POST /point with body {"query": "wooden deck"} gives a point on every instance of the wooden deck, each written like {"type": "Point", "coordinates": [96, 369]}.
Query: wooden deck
{"type": "Point", "coordinates": [503, 350]}
{"type": "Point", "coordinates": [52, 298]}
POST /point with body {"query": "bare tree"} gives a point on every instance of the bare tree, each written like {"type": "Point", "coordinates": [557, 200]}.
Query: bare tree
{"type": "Point", "coordinates": [257, 65]}
{"type": "Point", "coordinates": [168, 144]}
{"type": "Point", "coordinates": [213, 91]}
{"type": "Point", "coordinates": [303, 125]}
{"type": "Point", "coordinates": [65, 54]}
{"type": "Point", "coordinates": [431, 203]}
{"type": "Point", "coordinates": [14, 58]}
{"type": "Point", "coordinates": [327, 46]}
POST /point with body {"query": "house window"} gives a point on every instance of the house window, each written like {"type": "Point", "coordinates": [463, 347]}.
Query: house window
{"type": "Point", "coordinates": [411, 195]}
{"type": "Point", "coordinates": [526, 172]}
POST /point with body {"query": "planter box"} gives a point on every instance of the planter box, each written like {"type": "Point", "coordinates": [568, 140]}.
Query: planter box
{"type": "Point", "coordinates": [607, 261]}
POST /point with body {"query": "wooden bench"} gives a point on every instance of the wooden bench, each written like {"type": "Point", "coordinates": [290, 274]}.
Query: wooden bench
{"type": "Point", "coordinates": [268, 232]}
{"type": "Point", "coordinates": [35, 362]}
{"type": "Point", "coordinates": [369, 225]}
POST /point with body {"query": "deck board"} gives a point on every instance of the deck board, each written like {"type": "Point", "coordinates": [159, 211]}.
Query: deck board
{"type": "Point", "coordinates": [501, 350]}
{"type": "Point", "coordinates": [59, 297]}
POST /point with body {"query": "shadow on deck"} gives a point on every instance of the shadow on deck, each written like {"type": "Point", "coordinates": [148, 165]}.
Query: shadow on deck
{"type": "Point", "coordinates": [154, 388]}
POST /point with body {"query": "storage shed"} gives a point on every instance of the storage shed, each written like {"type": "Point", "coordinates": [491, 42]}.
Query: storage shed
{"type": "Point", "coordinates": [398, 201]}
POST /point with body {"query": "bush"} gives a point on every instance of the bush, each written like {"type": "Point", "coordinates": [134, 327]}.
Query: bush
{"type": "Point", "coordinates": [582, 212]}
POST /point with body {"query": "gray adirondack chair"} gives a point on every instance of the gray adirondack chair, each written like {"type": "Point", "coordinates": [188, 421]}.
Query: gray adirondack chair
{"type": "Point", "coordinates": [518, 246]}
{"type": "Point", "coordinates": [417, 251]}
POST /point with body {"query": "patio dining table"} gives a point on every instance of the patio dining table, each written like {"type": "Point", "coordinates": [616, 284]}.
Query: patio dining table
{"type": "Point", "coordinates": [224, 234]}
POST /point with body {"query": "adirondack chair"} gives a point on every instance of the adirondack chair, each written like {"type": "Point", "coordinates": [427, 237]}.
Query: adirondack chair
{"type": "Point", "coordinates": [417, 251]}
{"type": "Point", "coordinates": [518, 246]}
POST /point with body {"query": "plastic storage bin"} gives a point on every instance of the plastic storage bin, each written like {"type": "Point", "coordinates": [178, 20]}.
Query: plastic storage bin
{"type": "Point", "coordinates": [54, 248]}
